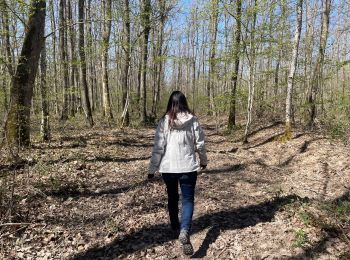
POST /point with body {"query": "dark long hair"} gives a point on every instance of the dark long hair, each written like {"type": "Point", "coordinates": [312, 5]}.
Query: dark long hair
{"type": "Point", "coordinates": [177, 103]}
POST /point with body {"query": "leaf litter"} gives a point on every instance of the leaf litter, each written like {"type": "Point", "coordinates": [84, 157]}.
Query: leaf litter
{"type": "Point", "coordinates": [86, 197]}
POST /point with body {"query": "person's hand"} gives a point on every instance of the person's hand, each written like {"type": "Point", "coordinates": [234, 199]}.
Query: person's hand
{"type": "Point", "coordinates": [203, 167]}
{"type": "Point", "coordinates": [150, 176]}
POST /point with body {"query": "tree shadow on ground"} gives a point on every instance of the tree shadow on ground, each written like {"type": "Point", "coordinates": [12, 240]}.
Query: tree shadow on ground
{"type": "Point", "coordinates": [128, 144]}
{"type": "Point", "coordinates": [222, 220]}
{"type": "Point", "coordinates": [302, 149]}
{"type": "Point", "coordinates": [226, 169]}
{"type": "Point", "coordinates": [265, 128]}
{"type": "Point", "coordinates": [72, 190]}
{"type": "Point", "coordinates": [268, 140]}
{"type": "Point", "coordinates": [105, 158]}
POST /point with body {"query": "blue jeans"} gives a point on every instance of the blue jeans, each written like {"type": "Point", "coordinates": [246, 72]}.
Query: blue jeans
{"type": "Point", "coordinates": [187, 184]}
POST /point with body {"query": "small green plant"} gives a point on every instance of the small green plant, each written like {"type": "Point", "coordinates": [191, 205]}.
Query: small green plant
{"type": "Point", "coordinates": [301, 239]}
{"type": "Point", "coordinates": [42, 168]}
{"type": "Point", "coordinates": [345, 255]}
{"type": "Point", "coordinates": [113, 226]}
{"type": "Point", "coordinates": [306, 217]}
{"type": "Point", "coordinates": [343, 208]}
{"type": "Point", "coordinates": [337, 131]}
{"type": "Point", "coordinates": [55, 183]}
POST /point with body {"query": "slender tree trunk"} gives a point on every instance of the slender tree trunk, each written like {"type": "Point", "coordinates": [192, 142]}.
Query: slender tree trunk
{"type": "Point", "coordinates": [6, 37]}
{"type": "Point", "coordinates": [159, 59]}
{"type": "Point", "coordinates": [64, 59]}
{"type": "Point", "coordinates": [236, 60]}
{"type": "Point", "coordinates": [7, 48]}
{"type": "Point", "coordinates": [73, 78]}
{"type": "Point", "coordinates": [146, 25]}
{"type": "Point", "coordinates": [107, 23]}
{"type": "Point", "coordinates": [54, 44]}
{"type": "Point", "coordinates": [251, 83]}
{"type": "Point", "coordinates": [17, 120]}
{"type": "Point", "coordinates": [318, 70]}
{"type": "Point", "coordinates": [212, 55]}
{"type": "Point", "coordinates": [293, 66]}
{"type": "Point", "coordinates": [125, 80]}
{"type": "Point", "coordinates": [45, 125]}
{"type": "Point", "coordinates": [87, 107]}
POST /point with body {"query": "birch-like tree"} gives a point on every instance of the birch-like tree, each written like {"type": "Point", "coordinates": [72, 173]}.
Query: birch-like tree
{"type": "Point", "coordinates": [293, 65]}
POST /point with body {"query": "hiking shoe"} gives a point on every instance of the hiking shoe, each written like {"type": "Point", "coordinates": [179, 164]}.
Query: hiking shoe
{"type": "Point", "coordinates": [184, 238]}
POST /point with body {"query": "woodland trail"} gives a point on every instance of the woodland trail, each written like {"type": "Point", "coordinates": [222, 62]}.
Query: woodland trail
{"type": "Point", "coordinates": [87, 198]}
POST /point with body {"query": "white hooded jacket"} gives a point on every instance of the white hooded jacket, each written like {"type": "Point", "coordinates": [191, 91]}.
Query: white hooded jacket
{"type": "Point", "coordinates": [174, 149]}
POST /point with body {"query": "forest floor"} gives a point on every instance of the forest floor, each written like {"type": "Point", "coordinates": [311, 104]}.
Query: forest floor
{"type": "Point", "coordinates": [85, 195]}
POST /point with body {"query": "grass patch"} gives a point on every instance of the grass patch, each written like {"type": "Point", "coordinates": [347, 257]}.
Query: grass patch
{"type": "Point", "coordinates": [301, 239]}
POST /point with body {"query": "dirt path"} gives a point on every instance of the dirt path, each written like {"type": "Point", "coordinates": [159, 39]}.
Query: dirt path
{"type": "Point", "coordinates": [88, 199]}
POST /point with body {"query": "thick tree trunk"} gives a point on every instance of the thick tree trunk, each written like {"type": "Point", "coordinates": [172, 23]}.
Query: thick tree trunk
{"type": "Point", "coordinates": [107, 23]}
{"type": "Point", "coordinates": [293, 66]}
{"type": "Point", "coordinates": [87, 107]}
{"type": "Point", "coordinates": [236, 60]}
{"type": "Point", "coordinates": [318, 70]}
{"type": "Point", "coordinates": [17, 121]}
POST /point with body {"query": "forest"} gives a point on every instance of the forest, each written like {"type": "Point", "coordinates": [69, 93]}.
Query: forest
{"type": "Point", "coordinates": [84, 83]}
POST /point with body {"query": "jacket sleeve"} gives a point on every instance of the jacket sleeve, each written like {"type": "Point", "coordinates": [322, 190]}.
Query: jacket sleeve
{"type": "Point", "coordinates": [199, 142]}
{"type": "Point", "coordinates": [158, 148]}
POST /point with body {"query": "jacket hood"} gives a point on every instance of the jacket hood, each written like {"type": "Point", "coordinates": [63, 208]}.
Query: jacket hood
{"type": "Point", "coordinates": [182, 119]}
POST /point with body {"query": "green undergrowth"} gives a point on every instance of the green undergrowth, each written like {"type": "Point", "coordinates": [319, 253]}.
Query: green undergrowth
{"type": "Point", "coordinates": [330, 218]}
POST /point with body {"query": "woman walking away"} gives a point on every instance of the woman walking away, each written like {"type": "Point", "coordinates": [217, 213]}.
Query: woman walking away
{"type": "Point", "coordinates": [177, 138]}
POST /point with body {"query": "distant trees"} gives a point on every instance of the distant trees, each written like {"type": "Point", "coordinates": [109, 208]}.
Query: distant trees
{"type": "Point", "coordinates": [239, 60]}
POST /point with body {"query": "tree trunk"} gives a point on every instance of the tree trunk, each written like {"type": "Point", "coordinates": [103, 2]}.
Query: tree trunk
{"type": "Point", "coordinates": [236, 55]}
{"type": "Point", "coordinates": [45, 125]}
{"type": "Point", "coordinates": [17, 121]}
{"type": "Point", "coordinates": [64, 59]}
{"type": "Point", "coordinates": [318, 70]}
{"type": "Point", "coordinates": [54, 40]}
{"type": "Point", "coordinates": [293, 66]}
{"type": "Point", "coordinates": [212, 54]}
{"type": "Point", "coordinates": [7, 48]}
{"type": "Point", "coordinates": [146, 25]}
{"type": "Point", "coordinates": [73, 78]}
{"type": "Point", "coordinates": [6, 36]}
{"type": "Point", "coordinates": [125, 80]}
{"type": "Point", "coordinates": [251, 83]}
{"type": "Point", "coordinates": [87, 107]}
{"type": "Point", "coordinates": [107, 23]}
{"type": "Point", "coordinates": [159, 60]}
